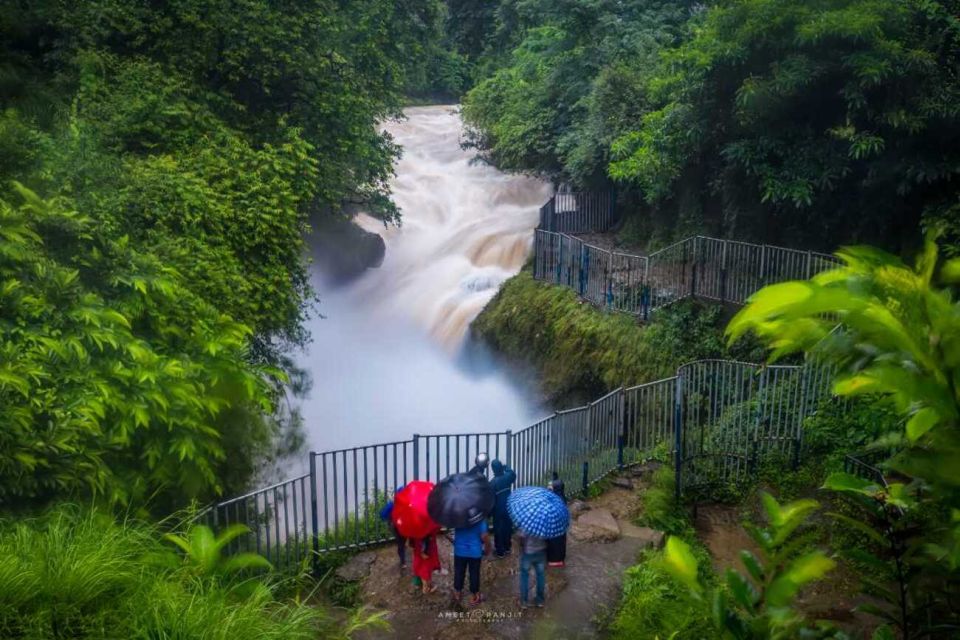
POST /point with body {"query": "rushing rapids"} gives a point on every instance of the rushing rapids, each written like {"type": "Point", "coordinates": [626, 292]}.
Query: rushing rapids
{"type": "Point", "coordinates": [388, 360]}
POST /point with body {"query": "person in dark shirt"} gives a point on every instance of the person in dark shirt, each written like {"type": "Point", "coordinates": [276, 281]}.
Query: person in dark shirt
{"type": "Point", "coordinates": [556, 485]}
{"type": "Point", "coordinates": [557, 547]}
{"type": "Point", "coordinates": [503, 479]}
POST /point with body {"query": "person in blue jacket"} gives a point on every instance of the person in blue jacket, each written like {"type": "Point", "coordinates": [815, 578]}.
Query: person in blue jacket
{"type": "Point", "coordinates": [386, 514]}
{"type": "Point", "coordinates": [503, 479]}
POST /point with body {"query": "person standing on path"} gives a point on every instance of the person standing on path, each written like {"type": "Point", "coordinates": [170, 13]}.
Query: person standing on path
{"type": "Point", "coordinates": [533, 556]}
{"type": "Point", "coordinates": [385, 515]}
{"type": "Point", "coordinates": [470, 544]}
{"type": "Point", "coordinates": [426, 560]}
{"type": "Point", "coordinates": [480, 465]}
{"type": "Point", "coordinates": [503, 479]}
{"type": "Point", "coordinates": [557, 547]}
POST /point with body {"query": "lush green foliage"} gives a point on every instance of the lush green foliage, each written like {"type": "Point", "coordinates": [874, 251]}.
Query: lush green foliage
{"type": "Point", "coordinates": [654, 605]}
{"type": "Point", "coordinates": [759, 605]}
{"type": "Point", "coordinates": [117, 380]}
{"type": "Point", "coordinates": [907, 581]}
{"type": "Point", "coordinates": [795, 122]}
{"type": "Point", "coordinates": [558, 99]}
{"type": "Point", "coordinates": [82, 575]}
{"type": "Point", "coordinates": [578, 348]}
{"type": "Point", "coordinates": [900, 339]}
{"type": "Point", "coordinates": [660, 508]}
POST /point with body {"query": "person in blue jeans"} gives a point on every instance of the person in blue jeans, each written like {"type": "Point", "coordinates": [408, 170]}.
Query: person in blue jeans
{"type": "Point", "coordinates": [533, 556]}
{"type": "Point", "coordinates": [469, 546]}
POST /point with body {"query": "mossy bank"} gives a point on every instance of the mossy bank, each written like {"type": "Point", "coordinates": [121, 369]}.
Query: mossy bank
{"type": "Point", "coordinates": [580, 352]}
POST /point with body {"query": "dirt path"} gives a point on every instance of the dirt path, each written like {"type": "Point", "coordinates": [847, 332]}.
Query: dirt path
{"type": "Point", "coordinates": [578, 595]}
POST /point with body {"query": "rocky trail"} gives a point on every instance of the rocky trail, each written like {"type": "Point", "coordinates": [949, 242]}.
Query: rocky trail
{"type": "Point", "coordinates": [602, 544]}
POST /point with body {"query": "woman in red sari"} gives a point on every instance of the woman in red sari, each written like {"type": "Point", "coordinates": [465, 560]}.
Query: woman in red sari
{"type": "Point", "coordinates": [426, 560]}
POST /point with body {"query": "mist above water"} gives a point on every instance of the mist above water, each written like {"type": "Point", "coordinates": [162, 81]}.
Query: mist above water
{"type": "Point", "coordinates": [389, 358]}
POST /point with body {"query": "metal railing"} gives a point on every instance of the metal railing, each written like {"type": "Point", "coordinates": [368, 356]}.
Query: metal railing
{"type": "Point", "coordinates": [865, 464]}
{"type": "Point", "coordinates": [717, 420]}
{"type": "Point", "coordinates": [579, 212]}
{"type": "Point", "coordinates": [725, 271]}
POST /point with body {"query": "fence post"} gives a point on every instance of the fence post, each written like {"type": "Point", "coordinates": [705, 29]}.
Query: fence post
{"type": "Point", "coordinates": [683, 272]}
{"type": "Point", "coordinates": [508, 449]}
{"type": "Point", "coordinates": [584, 273]}
{"type": "Point", "coordinates": [752, 455]}
{"type": "Point", "coordinates": [763, 264]}
{"type": "Point", "coordinates": [559, 259]}
{"type": "Point", "coordinates": [809, 270]}
{"type": "Point", "coordinates": [416, 456]}
{"type": "Point", "coordinates": [586, 477]}
{"type": "Point", "coordinates": [620, 451]}
{"type": "Point", "coordinates": [678, 436]}
{"type": "Point", "coordinates": [693, 269]}
{"type": "Point", "coordinates": [723, 273]}
{"type": "Point", "coordinates": [314, 515]}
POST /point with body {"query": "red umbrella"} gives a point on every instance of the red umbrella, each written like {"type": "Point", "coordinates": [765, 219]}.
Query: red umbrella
{"type": "Point", "coordinates": [410, 515]}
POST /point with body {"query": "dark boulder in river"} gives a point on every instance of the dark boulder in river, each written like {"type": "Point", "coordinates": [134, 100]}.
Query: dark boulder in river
{"type": "Point", "coordinates": [343, 251]}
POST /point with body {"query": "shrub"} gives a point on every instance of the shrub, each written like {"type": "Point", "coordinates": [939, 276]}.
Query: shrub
{"type": "Point", "coordinates": [80, 574]}
{"type": "Point", "coordinates": [656, 606]}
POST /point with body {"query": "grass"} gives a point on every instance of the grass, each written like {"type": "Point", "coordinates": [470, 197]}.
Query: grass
{"type": "Point", "coordinates": [76, 573]}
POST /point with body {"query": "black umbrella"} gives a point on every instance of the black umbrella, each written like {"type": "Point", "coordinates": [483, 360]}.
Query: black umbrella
{"type": "Point", "coordinates": [461, 500]}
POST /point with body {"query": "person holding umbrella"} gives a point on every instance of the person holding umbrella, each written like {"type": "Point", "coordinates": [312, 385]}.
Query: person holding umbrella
{"type": "Point", "coordinates": [462, 502]}
{"type": "Point", "coordinates": [540, 515]}
{"type": "Point", "coordinates": [426, 560]}
{"type": "Point", "coordinates": [557, 547]}
{"type": "Point", "coordinates": [412, 520]}
{"type": "Point", "coordinates": [503, 478]}
{"type": "Point", "coordinates": [533, 551]}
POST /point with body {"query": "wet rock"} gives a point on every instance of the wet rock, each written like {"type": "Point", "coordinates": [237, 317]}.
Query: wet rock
{"type": "Point", "coordinates": [647, 537]}
{"type": "Point", "coordinates": [646, 469]}
{"type": "Point", "coordinates": [623, 483]}
{"type": "Point", "coordinates": [596, 525]}
{"type": "Point", "coordinates": [357, 567]}
{"type": "Point", "coordinates": [577, 507]}
{"type": "Point", "coordinates": [343, 250]}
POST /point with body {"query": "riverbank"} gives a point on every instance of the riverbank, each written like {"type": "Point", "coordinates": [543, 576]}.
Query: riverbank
{"type": "Point", "coordinates": [580, 352]}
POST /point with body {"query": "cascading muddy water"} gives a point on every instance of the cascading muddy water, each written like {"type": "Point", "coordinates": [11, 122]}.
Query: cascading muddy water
{"type": "Point", "coordinates": [387, 359]}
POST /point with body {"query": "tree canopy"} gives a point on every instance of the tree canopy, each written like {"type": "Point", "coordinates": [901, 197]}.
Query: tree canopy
{"type": "Point", "coordinates": [789, 121]}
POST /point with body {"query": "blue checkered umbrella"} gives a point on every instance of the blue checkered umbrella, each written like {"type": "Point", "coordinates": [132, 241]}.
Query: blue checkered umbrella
{"type": "Point", "coordinates": [538, 511]}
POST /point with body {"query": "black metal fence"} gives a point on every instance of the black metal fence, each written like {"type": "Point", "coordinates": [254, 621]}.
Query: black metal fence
{"type": "Point", "coordinates": [724, 271]}
{"type": "Point", "coordinates": [717, 420]}
{"type": "Point", "coordinates": [579, 212]}
{"type": "Point", "coordinates": [866, 464]}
